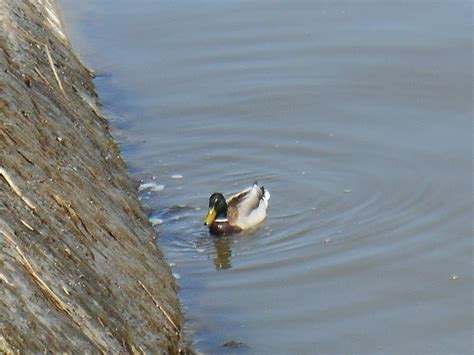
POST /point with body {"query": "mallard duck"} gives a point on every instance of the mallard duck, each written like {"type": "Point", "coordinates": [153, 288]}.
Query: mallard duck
{"type": "Point", "coordinates": [240, 212]}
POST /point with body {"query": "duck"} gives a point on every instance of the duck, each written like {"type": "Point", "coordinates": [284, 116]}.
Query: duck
{"type": "Point", "coordinates": [243, 211]}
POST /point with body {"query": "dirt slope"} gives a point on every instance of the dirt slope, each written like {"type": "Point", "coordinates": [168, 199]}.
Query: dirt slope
{"type": "Point", "coordinates": [78, 266]}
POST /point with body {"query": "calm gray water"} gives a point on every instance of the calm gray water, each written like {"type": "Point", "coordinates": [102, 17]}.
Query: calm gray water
{"type": "Point", "coordinates": [356, 115]}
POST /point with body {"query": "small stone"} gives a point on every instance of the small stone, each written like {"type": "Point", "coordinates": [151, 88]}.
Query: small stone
{"type": "Point", "coordinates": [454, 277]}
{"type": "Point", "coordinates": [327, 241]}
{"type": "Point", "coordinates": [176, 176]}
{"type": "Point", "coordinates": [233, 344]}
{"type": "Point", "coordinates": [60, 140]}
{"type": "Point", "coordinates": [155, 221]}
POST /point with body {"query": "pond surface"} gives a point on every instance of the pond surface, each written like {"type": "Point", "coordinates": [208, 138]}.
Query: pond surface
{"type": "Point", "coordinates": [356, 115]}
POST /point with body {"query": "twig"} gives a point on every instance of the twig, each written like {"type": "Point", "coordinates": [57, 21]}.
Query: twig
{"type": "Point", "coordinates": [26, 225]}
{"type": "Point", "coordinates": [75, 217]}
{"type": "Point", "coordinates": [66, 291]}
{"type": "Point", "coordinates": [15, 188]}
{"type": "Point", "coordinates": [4, 279]}
{"type": "Point", "coordinates": [48, 54]}
{"type": "Point", "coordinates": [51, 63]}
{"type": "Point", "coordinates": [159, 307]}
{"type": "Point", "coordinates": [47, 291]}
{"type": "Point", "coordinates": [42, 76]}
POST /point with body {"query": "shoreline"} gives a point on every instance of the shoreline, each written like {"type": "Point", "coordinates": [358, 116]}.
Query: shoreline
{"type": "Point", "coordinates": [79, 270]}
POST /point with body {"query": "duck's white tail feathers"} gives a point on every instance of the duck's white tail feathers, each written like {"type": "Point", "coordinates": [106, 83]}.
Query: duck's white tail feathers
{"type": "Point", "coordinates": [253, 207]}
{"type": "Point", "coordinates": [266, 194]}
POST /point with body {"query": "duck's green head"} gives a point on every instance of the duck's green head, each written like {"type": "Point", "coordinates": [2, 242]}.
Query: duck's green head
{"type": "Point", "coordinates": [217, 209]}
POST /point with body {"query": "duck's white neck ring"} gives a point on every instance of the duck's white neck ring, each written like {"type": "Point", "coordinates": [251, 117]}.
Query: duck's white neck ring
{"type": "Point", "coordinates": [220, 220]}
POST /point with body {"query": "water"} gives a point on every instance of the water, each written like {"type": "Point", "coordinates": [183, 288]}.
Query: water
{"type": "Point", "coordinates": [356, 115]}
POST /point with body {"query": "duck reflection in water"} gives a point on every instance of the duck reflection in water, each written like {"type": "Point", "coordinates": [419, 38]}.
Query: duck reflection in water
{"type": "Point", "coordinates": [223, 253]}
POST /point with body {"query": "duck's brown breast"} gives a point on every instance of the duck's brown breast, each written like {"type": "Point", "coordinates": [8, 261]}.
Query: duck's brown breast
{"type": "Point", "coordinates": [220, 228]}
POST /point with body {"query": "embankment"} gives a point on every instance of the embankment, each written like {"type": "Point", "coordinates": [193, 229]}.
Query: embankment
{"type": "Point", "coordinates": [79, 270]}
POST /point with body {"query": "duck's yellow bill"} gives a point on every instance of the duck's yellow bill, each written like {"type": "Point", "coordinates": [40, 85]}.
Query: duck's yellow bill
{"type": "Point", "coordinates": [211, 216]}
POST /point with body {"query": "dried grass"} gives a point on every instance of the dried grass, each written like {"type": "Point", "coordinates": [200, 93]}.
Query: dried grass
{"type": "Point", "coordinates": [178, 331]}
{"type": "Point", "coordinates": [15, 188]}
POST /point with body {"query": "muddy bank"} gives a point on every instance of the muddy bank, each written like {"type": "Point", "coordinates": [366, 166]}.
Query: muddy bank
{"type": "Point", "coordinates": [78, 266]}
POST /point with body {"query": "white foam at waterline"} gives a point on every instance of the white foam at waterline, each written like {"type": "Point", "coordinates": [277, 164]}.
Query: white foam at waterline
{"type": "Point", "coordinates": [152, 186]}
{"type": "Point", "coordinates": [155, 221]}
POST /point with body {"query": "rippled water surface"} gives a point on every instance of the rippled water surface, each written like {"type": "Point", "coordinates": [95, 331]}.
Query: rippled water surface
{"type": "Point", "coordinates": [356, 115]}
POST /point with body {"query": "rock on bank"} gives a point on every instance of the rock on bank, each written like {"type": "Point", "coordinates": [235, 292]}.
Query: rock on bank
{"type": "Point", "coordinates": [78, 267]}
